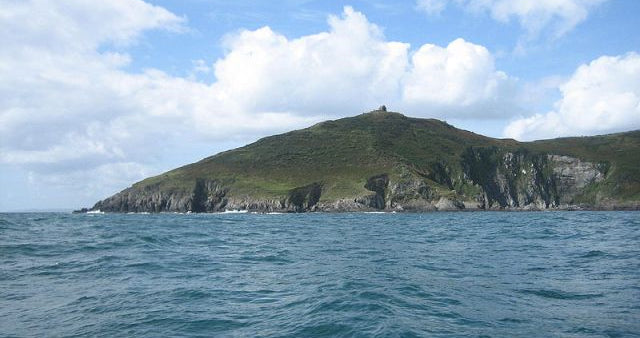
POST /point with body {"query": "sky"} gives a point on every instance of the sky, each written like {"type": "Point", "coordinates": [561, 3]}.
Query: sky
{"type": "Point", "coordinates": [96, 95]}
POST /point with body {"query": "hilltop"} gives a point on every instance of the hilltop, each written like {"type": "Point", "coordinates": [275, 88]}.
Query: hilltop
{"type": "Point", "coordinates": [387, 161]}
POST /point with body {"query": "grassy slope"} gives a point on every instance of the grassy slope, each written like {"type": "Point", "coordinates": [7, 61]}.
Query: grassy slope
{"type": "Point", "coordinates": [342, 154]}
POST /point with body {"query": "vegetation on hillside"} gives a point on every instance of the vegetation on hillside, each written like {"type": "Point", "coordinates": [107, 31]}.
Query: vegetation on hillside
{"type": "Point", "coordinates": [339, 156]}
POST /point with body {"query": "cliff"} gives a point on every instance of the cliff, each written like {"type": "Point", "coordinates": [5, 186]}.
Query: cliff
{"type": "Point", "coordinates": [387, 161]}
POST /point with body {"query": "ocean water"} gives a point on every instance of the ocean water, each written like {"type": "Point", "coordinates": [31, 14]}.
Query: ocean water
{"type": "Point", "coordinates": [498, 274]}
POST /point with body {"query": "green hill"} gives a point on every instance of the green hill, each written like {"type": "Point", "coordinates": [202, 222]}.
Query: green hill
{"type": "Point", "coordinates": [384, 160]}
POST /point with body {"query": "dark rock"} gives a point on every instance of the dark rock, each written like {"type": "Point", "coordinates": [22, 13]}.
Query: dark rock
{"type": "Point", "coordinates": [425, 164]}
{"type": "Point", "coordinates": [377, 184]}
{"type": "Point", "coordinates": [304, 198]}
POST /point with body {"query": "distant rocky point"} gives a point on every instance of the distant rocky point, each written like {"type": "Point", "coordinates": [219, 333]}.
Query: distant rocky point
{"type": "Point", "coordinates": [386, 161]}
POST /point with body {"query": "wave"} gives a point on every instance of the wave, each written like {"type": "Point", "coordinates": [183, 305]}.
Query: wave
{"type": "Point", "coordinates": [558, 294]}
{"type": "Point", "coordinates": [463, 274]}
{"type": "Point", "coordinates": [234, 211]}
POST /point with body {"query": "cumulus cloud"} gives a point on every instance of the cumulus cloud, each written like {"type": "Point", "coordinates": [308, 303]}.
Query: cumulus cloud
{"type": "Point", "coordinates": [535, 16]}
{"type": "Point", "coordinates": [81, 25]}
{"type": "Point", "coordinates": [459, 80]}
{"type": "Point", "coordinates": [64, 101]}
{"type": "Point", "coordinates": [352, 66]}
{"type": "Point", "coordinates": [60, 95]}
{"type": "Point", "coordinates": [601, 97]}
{"type": "Point", "coordinates": [320, 73]}
{"type": "Point", "coordinates": [69, 106]}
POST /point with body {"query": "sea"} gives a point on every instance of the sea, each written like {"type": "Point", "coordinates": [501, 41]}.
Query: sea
{"type": "Point", "coordinates": [440, 274]}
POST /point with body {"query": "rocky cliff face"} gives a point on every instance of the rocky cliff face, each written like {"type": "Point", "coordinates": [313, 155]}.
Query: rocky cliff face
{"type": "Point", "coordinates": [572, 176]}
{"type": "Point", "coordinates": [484, 179]}
{"type": "Point", "coordinates": [207, 196]}
{"type": "Point", "coordinates": [386, 161]}
{"type": "Point", "coordinates": [525, 180]}
{"type": "Point", "coordinates": [148, 199]}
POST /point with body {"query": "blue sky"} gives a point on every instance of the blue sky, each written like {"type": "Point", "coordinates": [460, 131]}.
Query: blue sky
{"type": "Point", "coordinates": [97, 95]}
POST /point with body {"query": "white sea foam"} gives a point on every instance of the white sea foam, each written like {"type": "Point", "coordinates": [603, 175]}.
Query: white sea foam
{"type": "Point", "coordinates": [233, 211]}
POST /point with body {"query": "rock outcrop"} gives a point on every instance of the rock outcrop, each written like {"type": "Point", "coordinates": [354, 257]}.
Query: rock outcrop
{"type": "Point", "coordinates": [385, 161]}
{"type": "Point", "coordinates": [525, 180]}
{"type": "Point", "coordinates": [498, 180]}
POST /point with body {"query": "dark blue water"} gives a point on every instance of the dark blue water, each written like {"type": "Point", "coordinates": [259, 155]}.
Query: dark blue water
{"type": "Point", "coordinates": [563, 274]}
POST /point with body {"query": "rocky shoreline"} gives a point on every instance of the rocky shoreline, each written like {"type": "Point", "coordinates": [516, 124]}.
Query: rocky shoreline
{"type": "Point", "coordinates": [521, 182]}
{"type": "Point", "coordinates": [385, 161]}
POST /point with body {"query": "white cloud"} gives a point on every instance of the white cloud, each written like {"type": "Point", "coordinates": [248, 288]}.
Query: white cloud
{"type": "Point", "coordinates": [352, 68]}
{"type": "Point", "coordinates": [81, 25]}
{"type": "Point", "coordinates": [601, 97]}
{"type": "Point", "coordinates": [431, 7]}
{"type": "Point", "coordinates": [535, 16]}
{"type": "Point", "coordinates": [459, 80]}
{"type": "Point", "coordinates": [560, 16]}
{"type": "Point", "coordinates": [201, 66]}
{"type": "Point", "coordinates": [321, 73]}
{"type": "Point", "coordinates": [69, 107]}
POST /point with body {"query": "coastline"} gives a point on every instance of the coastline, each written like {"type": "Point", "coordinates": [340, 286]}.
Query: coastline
{"type": "Point", "coordinates": [568, 208]}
